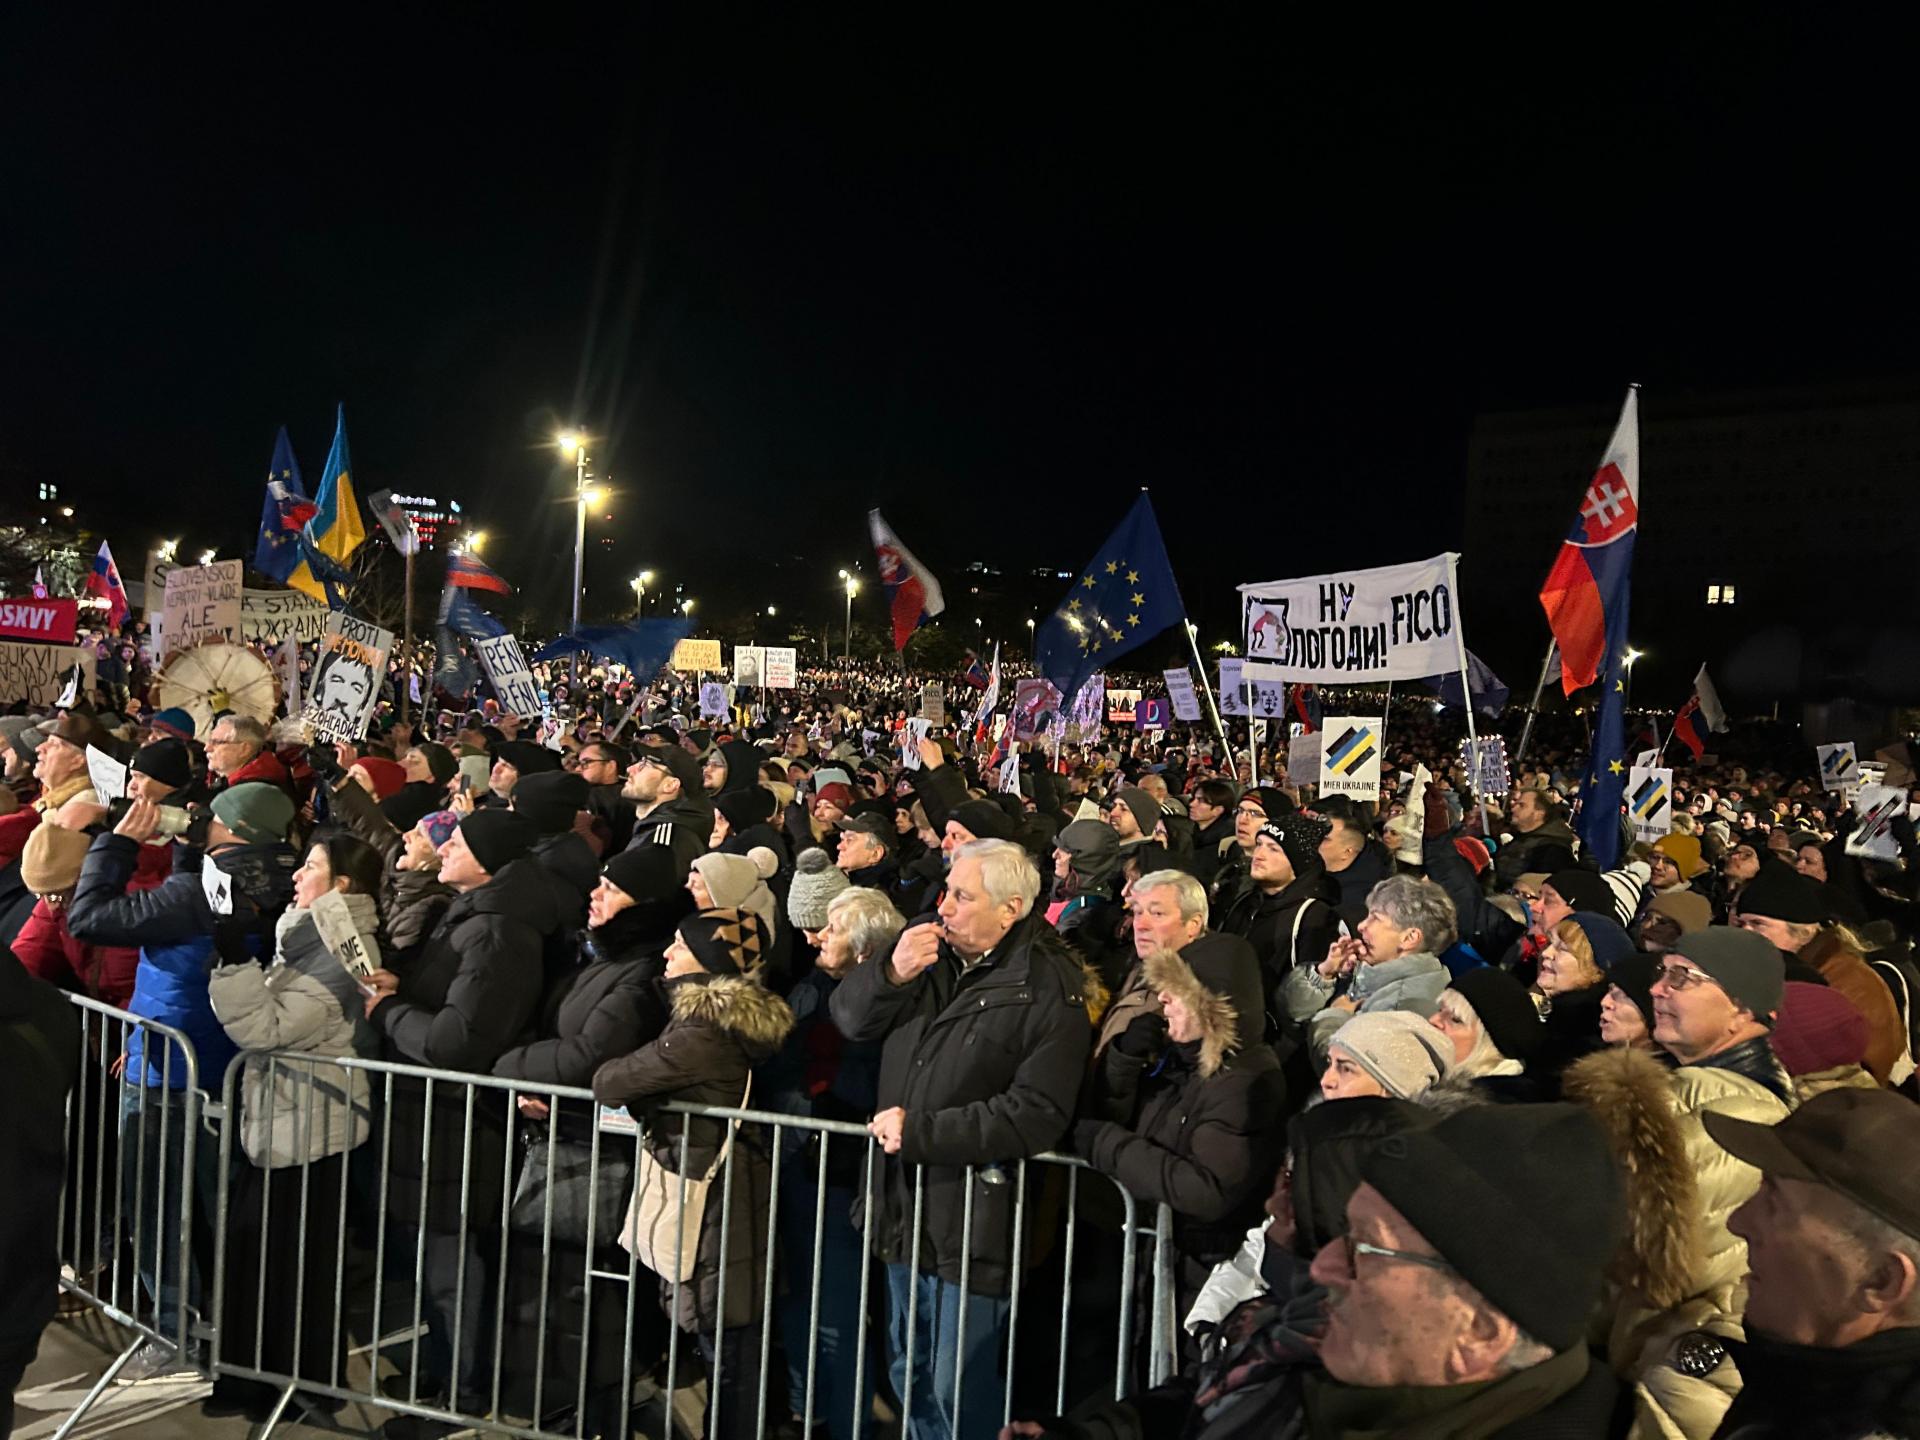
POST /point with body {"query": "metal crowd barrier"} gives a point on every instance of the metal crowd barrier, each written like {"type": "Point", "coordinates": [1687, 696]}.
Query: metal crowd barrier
{"type": "Point", "coordinates": [134, 1151]}
{"type": "Point", "coordinates": [345, 1209]}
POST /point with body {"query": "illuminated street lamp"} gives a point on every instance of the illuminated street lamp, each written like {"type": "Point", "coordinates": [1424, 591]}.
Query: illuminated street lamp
{"type": "Point", "coordinates": [574, 444]}
{"type": "Point", "coordinates": [853, 588]}
{"type": "Point", "coordinates": [686, 606]}
{"type": "Point", "coordinates": [640, 583]}
{"type": "Point", "coordinates": [1632, 655]}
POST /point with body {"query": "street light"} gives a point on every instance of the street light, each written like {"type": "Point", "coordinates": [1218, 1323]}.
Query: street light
{"type": "Point", "coordinates": [1632, 655]}
{"type": "Point", "coordinates": [853, 588]}
{"type": "Point", "coordinates": [206, 557]}
{"type": "Point", "coordinates": [475, 541]}
{"type": "Point", "coordinates": [169, 548]}
{"type": "Point", "coordinates": [574, 444]}
{"type": "Point", "coordinates": [640, 583]}
{"type": "Point", "coordinates": [686, 606]}
{"type": "Point", "coordinates": [772, 610]}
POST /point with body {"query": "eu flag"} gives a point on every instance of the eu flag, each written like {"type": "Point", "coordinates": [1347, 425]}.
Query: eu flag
{"type": "Point", "coordinates": [285, 510]}
{"type": "Point", "coordinates": [1125, 597]}
{"type": "Point", "coordinates": [643, 646]}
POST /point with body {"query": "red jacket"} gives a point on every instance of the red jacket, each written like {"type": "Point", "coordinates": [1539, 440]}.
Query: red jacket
{"type": "Point", "coordinates": [265, 766]}
{"type": "Point", "coordinates": [15, 827]}
{"type": "Point", "coordinates": [104, 972]}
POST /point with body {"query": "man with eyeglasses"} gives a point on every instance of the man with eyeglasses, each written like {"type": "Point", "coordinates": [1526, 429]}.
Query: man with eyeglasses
{"type": "Point", "coordinates": [603, 765]}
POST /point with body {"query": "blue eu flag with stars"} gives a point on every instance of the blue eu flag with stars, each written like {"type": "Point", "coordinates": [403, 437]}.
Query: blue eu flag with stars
{"type": "Point", "coordinates": [1124, 597]}
{"type": "Point", "coordinates": [285, 509]}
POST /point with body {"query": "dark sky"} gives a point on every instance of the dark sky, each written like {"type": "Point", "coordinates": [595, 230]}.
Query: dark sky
{"type": "Point", "coordinates": [990, 274]}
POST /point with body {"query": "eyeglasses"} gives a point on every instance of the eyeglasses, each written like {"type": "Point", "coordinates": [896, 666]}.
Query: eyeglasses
{"type": "Point", "coordinates": [1681, 977]}
{"type": "Point", "coordinates": [1525, 897]}
{"type": "Point", "coordinates": [1253, 810]}
{"type": "Point", "coordinates": [1356, 1248]}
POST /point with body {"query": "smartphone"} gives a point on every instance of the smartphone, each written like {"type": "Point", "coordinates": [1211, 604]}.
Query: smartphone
{"type": "Point", "coordinates": [466, 785]}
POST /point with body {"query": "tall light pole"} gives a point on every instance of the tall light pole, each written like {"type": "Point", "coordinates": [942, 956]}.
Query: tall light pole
{"type": "Point", "coordinates": [640, 583]}
{"type": "Point", "coordinates": [1631, 656]}
{"type": "Point", "coordinates": [575, 444]}
{"type": "Point", "coordinates": [1029, 637]}
{"type": "Point", "coordinates": [853, 588]}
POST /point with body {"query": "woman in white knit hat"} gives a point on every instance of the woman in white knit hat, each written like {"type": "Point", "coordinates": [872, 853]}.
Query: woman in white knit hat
{"type": "Point", "coordinates": [1386, 1052]}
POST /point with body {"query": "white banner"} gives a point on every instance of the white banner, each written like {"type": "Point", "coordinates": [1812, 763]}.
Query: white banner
{"type": "Point", "coordinates": [345, 689]}
{"type": "Point", "coordinates": [1839, 766]}
{"type": "Point", "coordinates": [107, 775]}
{"type": "Point", "coordinates": [749, 664]}
{"type": "Point", "coordinates": [1650, 801]}
{"type": "Point", "coordinates": [1350, 756]}
{"type": "Point", "coordinates": [782, 665]}
{"type": "Point", "coordinates": [512, 680]}
{"type": "Point", "coordinates": [1875, 808]}
{"type": "Point", "coordinates": [1186, 704]}
{"type": "Point", "coordinates": [1303, 760]}
{"type": "Point", "coordinates": [1269, 696]}
{"type": "Point", "coordinates": [1398, 622]}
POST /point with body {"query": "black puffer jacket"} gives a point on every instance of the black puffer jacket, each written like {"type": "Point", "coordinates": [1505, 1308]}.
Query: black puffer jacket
{"type": "Point", "coordinates": [1267, 923]}
{"type": "Point", "coordinates": [987, 1063]}
{"type": "Point", "coordinates": [39, 1059]}
{"type": "Point", "coordinates": [1372, 865]}
{"type": "Point", "coordinates": [571, 870]}
{"type": "Point", "coordinates": [684, 825]}
{"type": "Point", "coordinates": [468, 996]}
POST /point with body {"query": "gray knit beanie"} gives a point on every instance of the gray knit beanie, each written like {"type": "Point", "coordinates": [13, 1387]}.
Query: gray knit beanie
{"type": "Point", "coordinates": [1397, 1048]}
{"type": "Point", "coordinates": [816, 880]}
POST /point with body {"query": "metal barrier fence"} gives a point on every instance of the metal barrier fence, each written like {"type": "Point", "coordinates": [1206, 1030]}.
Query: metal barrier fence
{"type": "Point", "coordinates": [432, 1240]}
{"type": "Point", "coordinates": [134, 1150]}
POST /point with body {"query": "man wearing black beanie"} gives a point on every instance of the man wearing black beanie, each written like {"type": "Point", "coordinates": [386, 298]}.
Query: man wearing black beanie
{"type": "Point", "coordinates": [553, 800]}
{"type": "Point", "coordinates": [1460, 1295]}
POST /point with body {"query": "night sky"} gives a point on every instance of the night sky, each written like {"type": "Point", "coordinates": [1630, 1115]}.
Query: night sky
{"type": "Point", "coordinates": [989, 275]}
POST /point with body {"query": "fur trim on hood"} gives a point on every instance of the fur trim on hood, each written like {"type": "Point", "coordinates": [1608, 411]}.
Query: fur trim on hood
{"type": "Point", "coordinates": [1629, 1093]}
{"type": "Point", "coordinates": [759, 1017]}
{"type": "Point", "coordinates": [1219, 1026]}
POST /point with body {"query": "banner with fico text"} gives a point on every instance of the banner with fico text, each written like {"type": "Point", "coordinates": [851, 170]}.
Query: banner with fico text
{"type": "Point", "coordinates": [1396, 622]}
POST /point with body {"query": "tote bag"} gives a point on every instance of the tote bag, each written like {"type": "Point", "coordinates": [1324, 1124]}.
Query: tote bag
{"type": "Point", "coordinates": [654, 1233]}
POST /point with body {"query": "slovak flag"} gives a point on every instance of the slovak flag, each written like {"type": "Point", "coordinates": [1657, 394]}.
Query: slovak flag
{"type": "Point", "coordinates": [1701, 716]}
{"type": "Point", "coordinates": [104, 581]}
{"type": "Point", "coordinates": [1585, 596]}
{"type": "Point", "coordinates": [468, 572]}
{"type": "Point", "coordinates": [913, 595]}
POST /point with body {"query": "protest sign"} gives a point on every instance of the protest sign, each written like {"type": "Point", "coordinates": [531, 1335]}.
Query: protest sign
{"type": "Point", "coordinates": [749, 664]}
{"type": "Point", "coordinates": [782, 667]}
{"type": "Point", "coordinates": [266, 616]}
{"type": "Point", "coordinates": [38, 673]}
{"type": "Point", "coordinates": [1397, 622]}
{"type": "Point", "coordinates": [1186, 703]}
{"type": "Point", "coordinates": [341, 936]}
{"type": "Point", "coordinates": [1156, 714]}
{"type": "Point", "coordinates": [507, 669]}
{"type": "Point", "coordinates": [345, 689]}
{"type": "Point", "coordinates": [1035, 704]}
{"type": "Point", "coordinates": [1839, 766]}
{"type": "Point", "coordinates": [910, 738]}
{"type": "Point", "coordinates": [1650, 801]}
{"type": "Point", "coordinates": [217, 886]}
{"type": "Point", "coordinates": [1488, 771]}
{"type": "Point", "coordinates": [1350, 757]}
{"type": "Point", "coordinates": [1120, 706]}
{"type": "Point", "coordinates": [51, 621]}
{"type": "Point", "coordinates": [713, 699]}
{"type": "Point", "coordinates": [696, 655]}
{"type": "Point", "coordinates": [1877, 807]}
{"type": "Point", "coordinates": [202, 603]}
{"type": "Point", "coordinates": [933, 703]}
{"type": "Point", "coordinates": [1303, 760]}
{"type": "Point", "coordinates": [1089, 708]}
{"type": "Point", "coordinates": [1010, 775]}
{"type": "Point", "coordinates": [107, 775]}
{"type": "Point", "coordinates": [1269, 696]}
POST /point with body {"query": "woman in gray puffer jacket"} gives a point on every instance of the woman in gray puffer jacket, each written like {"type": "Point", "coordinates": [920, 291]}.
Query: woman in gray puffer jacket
{"type": "Point", "coordinates": [298, 1118]}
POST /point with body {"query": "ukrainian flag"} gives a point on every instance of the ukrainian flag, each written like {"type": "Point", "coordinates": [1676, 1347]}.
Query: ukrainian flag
{"type": "Point", "coordinates": [336, 529]}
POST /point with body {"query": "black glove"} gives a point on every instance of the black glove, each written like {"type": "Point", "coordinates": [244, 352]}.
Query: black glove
{"type": "Point", "coordinates": [324, 761]}
{"type": "Point", "coordinates": [1144, 1038]}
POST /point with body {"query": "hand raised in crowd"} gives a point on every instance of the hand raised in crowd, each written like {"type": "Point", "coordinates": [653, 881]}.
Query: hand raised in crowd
{"type": "Point", "coordinates": [931, 755]}
{"type": "Point", "coordinates": [889, 1127]}
{"type": "Point", "coordinates": [141, 822]}
{"type": "Point", "coordinates": [461, 802]}
{"type": "Point", "coordinates": [1435, 819]}
{"type": "Point", "coordinates": [1342, 956]}
{"type": "Point", "coordinates": [533, 1107]}
{"type": "Point", "coordinates": [78, 815]}
{"type": "Point", "coordinates": [381, 983]}
{"type": "Point", "coordinates": [915, 952]}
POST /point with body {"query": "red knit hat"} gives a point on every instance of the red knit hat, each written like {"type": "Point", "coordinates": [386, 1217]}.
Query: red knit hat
{"type": "Point", "coordinates": [387, 775]}
{"type": "Point", "coordinates": [1818, 1028]}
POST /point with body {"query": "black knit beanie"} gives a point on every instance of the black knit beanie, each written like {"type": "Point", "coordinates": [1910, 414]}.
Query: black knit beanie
{"type": "Point", "coordinates": [498, 837]}
{"type": "Point", "coordinates": [1505, 1010]}
{"type": "Point", "coordinates": [551, 799]}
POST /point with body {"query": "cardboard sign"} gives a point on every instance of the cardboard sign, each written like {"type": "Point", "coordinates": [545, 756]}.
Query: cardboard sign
{"type": "Point", "coordinates": [1650, 801]}
{"type": "Point", "coordinates": [933, 704]}
{"type": "Point", "coordinates": [749, 665]}
{"type": "Point", "coordinates": [783, 665]}
{"type": "Point", "coordinates": [51, 621]}
{"type": "Point", "coordinates": [1303, 760]}
{"type": "Point", "coordinates": [202, 603]}
{"type": "Point", "coordinates": [1186, 702]}
{"type": "Point", "coordinates": [1350, 756]}
{"type": "Point", "coordinates": [713, 700]}
{"type": "Point", "coordinates": [1877, 807]}
{"type": "Point", "coordinates": [696, 655]}
{"type": "Point", "coordinates": [266, 616]}
{"type": "Point", "coordinates": [38, 674]}
{"type": "Point", "coordinates": [107, 775]}
{"type": "Point", "coordinates": [507, 668]}
{"type": "Point", "coordinates": [1839, 766]}
{"type": "Point", "coordinates": [1395, 622]}
{"type": "Point", "coordinates": [355, 952]}
{"type": "Point", "coordinates": [345, 689]}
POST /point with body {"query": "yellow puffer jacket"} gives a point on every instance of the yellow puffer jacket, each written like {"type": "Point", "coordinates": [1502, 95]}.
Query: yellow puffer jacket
{"type": "Point", "coordinates": [1681, 1270]}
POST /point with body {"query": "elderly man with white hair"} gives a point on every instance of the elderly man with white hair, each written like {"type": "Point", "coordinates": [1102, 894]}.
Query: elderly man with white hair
{"type": "Point", "coordinates": [983, 1014]}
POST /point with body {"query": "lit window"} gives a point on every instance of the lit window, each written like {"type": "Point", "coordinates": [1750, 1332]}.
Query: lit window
{"type": "Point", "coordinates": [1722, 594]}
{"type": "Point", "coordinates": [49, 492]}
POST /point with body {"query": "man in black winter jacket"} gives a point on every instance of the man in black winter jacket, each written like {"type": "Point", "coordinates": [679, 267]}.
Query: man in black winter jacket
{"type": "Point", "coordinates": [671, 807]}
{"type": "Point", "coordinates": [986, 1037]}
{"type": "Point", "coordinates": [1287, 915]}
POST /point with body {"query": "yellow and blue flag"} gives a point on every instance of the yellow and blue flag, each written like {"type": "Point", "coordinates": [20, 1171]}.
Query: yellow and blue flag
{"type": "Point", "coordinates": [335, 530]}
{"type": "Point", "coordinates": [1124, 597]}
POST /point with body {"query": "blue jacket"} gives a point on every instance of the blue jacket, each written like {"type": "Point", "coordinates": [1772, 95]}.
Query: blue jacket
{"type": "Point", "coordinates": [180, 940]}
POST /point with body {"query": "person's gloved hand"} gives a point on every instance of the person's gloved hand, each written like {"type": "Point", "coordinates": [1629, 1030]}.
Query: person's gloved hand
{"type": "Point", "coordinates": [1434, 822]}
{"type": "Point", "coordinates": [325, 764]}
{"type": "Point", "coordinates": [1144, 1038]}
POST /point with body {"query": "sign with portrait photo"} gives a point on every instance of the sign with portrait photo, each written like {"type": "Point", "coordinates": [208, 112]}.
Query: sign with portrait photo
{"type": "Point", "coordinates": [344, 689]}
{"type": "Point", "coordinates": [749, 665]}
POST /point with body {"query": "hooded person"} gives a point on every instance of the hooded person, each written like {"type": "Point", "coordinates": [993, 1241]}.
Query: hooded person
{"type": "Point", "coordinates": [554, 800]}
{"type": "Point", "coordinates": [1086, 910]}
{"type": "Point", "coordinates": [743, 822]}
{"type": "Point", "coordinates": [722, 1025]}
{"type": "Point", "coordinates": [1288, 912]}
{"type": "Point", "coordinates": [1197, 1126]}
{"type": "Point", "coordinates": [1490, 1020]}
{"type": "Point", "coordinates": [732, 766]}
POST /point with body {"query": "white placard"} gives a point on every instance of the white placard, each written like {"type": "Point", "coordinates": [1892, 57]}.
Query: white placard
{"type": "Point", "coordinates": [1875, 808]}
{"type": "Point", "coordinates": [1269, 696]}
{"type": "Point", "coordinates": [749, 664]}
{"type": "Point", "coordinates": [1010, 775]}
{"type": "Point", "coordinates": [1839, 766]}
{"type": "Point", "coordinates": [1350, 756]}
{"type": "Point", "coordinates": [107, 775]}
{"type": "Point", "coordinates": [217, 886]}
{"type": "Point", "coordinates": [1650, 801]}
{"type": "Point", "coordinates": [1186, 703]}
{"type": "Point", "coordinates": [358, 954]}
{"type": "Point", "coordinates": [713, 700]}
{"type": "Point", "coordinates": [933, 703]}
{"type": "Point", "coordinates": [1396, 622]}
{"type": "Point", "coordinates": [506, 667]}
{"type": "Point", "coordinates": [345, 689]}
{"type": "Point", "coordinates": [1303, 760]}
{"type": "Point", "coordinates": [783, 665]}
{"type": "Point", "coordinates": [202, 603]}
{"type": "Point", "coordinates": [910, 739]}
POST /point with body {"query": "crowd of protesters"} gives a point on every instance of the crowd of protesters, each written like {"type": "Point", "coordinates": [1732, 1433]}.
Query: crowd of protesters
{"type": "Point", "coordinates": [1460, 1135]}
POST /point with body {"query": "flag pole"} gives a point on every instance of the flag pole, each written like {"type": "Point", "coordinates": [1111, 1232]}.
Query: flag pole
{"type": "Point", "coordinates": [1526, 730]}
{"type": "Point", "coordinates": [1206, 686]}
{"type": "Point", "coordinates": [1466, 692]}
{"type": "Point", "coordinates": [413, 661]}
